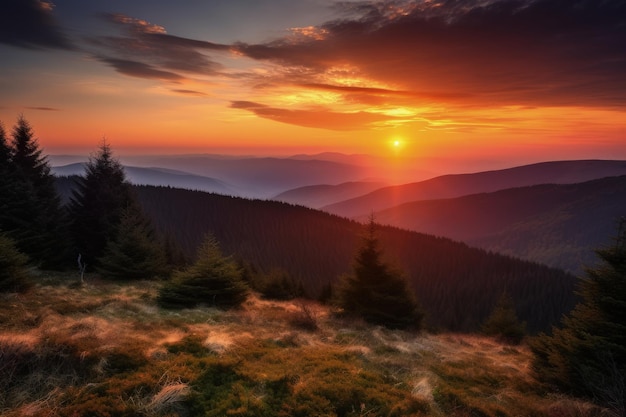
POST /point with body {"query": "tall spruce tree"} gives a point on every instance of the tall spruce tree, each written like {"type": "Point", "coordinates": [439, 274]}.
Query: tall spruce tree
{"type": "Point", "coordinates": [9, 186]}
{"type": "Point", "coordinates": [587, 354]}
{"type": "Point", "coordinates": [375, 290]}
{"type": "Point", "coordinates": [97, 204]}
{"type": "Point", "coordinates": [35, 216]}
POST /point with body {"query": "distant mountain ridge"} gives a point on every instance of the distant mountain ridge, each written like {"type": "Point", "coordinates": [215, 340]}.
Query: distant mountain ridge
{"type": "Point", "coordinates": [253, 177]}
{"type": "Point", "coordinates": [556, 224]}
{"type": "Point", "coordinates": [457, 185]}
{"type": "Point", "coordinates": [317, 196]}
{"type": "Point", "coordinates": [158, 176]}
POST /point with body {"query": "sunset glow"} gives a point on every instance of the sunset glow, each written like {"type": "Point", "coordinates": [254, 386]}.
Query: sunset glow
{"type": "Point", "coordinates": [496, 83]}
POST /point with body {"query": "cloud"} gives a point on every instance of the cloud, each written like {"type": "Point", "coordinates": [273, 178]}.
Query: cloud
{"type": "Point", "coordinates": [189, 92]}
{"type": "Point", "coordinates": [31, 24]}
{"type": "Point", "coordinates": [318, 118]}
{"type": "Point", "coordinates": [139, 69]}
{"type": "Point", "coordinates": [43, 108]}
{"type": "Point", "coordinates": [146, 50]}
{"type": "Point", "coordinates": [498, 52]}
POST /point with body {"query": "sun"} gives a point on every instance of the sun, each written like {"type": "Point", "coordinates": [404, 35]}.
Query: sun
{"type": "Point", "coordinates": [396, 144]}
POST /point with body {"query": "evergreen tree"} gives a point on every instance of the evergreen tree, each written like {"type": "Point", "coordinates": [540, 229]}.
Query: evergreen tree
{"type": "Point", "coordinates": [503, 322]}
{"type": "Point", "coordinates": [36, 218]}
{"type": "Point", "coordinates": [277, 284]}
{"type": "Point", "coordinates": [13, 273]}
{"type": "Point", "coordinates": [213, 279]}
{"type": "Point", "coordinates": [587, 354]}
{"type": "Point", "coordinates": [9, 187]}
{"type": "Point", "coordinates": [136, 252]}
{"type": "Point", "coordinates": [97, 204]}
{"type": "Point", "coordinates": [375, 290]}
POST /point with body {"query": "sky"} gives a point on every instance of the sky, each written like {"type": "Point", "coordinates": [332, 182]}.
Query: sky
{"type": "Point", "coordinates": [481, 83]}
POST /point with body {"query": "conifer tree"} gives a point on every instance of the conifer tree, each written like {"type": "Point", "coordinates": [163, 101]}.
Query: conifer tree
{"type": "Point", "coordinates": [135, 252]}
{"type": "Point", "coordinates": [214, 280]}
{"type": "Point", "coordinates": [375, 290]}
{"type": "Point", "coordinates": [97, 204]}
{"type": "Point", "coordinates": [13, 273]}
{"type": "Point", "coordinates": [503, 322]}
{"type": "Point", "coordinates": [587, 354]}
{"type": "Point", "coordinates": [37, 221]}
{"type": "Point", "coordinates": [9, 187]}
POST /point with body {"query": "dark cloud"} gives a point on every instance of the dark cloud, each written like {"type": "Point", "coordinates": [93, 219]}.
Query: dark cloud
{"type": "Point", "coordinates": [139, 69]}
{"type": "Point", "coordinates": [190, 92]}
{"type": "Point", "coordinates": [31, 24]}
{"type": "Point", "coordinates": [531, 52]}
{"type": "Point", "coordinates": [318, 118]}
{"type": "Point", "coordinates": [149, 45]}
{"type": "Point", "coordinates": [43, 108]}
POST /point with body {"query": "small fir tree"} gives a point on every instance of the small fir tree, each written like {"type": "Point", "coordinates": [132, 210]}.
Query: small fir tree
{"type": "Point", "coordinates": [587, 354]}
{"type": "Point", "coordinates": [13, 272]}
{"type": "Point", "coordinates": [214, 280]}
{"type": "Point", "coordinates": [135, 252]}
{"type": "Point", "coordinates": [375, 290]}
{"type": "Point", "coordinates": [503, 323]}
{"type": "Point", "coordinates": [278, 284]}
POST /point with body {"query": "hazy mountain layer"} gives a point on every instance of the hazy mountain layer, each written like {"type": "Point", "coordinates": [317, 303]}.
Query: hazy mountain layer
{"type": "Point", "coordinates": [317, 196]}
{"type": "Point", "coordinates": [159, 176]}
{"type": "Point", "coordinates": [558, 225]}
{"type": "Point", "coordinates": [449, 186]}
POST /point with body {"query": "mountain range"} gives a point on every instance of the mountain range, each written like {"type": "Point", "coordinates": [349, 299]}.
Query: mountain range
{"type": "Point", "coordinates": [554, 213]}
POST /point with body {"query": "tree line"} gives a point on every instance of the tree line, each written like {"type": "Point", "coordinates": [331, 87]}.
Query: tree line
{"type": "Point", "coordinates": [102, 228]}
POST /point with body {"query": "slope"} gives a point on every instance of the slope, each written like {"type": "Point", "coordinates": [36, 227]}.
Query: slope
{"type": "Point", "coordinates": [558, 225]}
{"type": "Point", "coordinates": [449, 186]}
{"type": "Point", "coordinates": [457, 285]}
{"type": "Point", "coordinates": [316, 196]}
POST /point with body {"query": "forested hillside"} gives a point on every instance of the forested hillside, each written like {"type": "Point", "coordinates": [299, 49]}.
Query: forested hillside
{"type": "Point", "coordinates": [457, 286]}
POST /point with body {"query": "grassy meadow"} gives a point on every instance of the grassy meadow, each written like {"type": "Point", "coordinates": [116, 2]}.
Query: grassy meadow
{"type": "Point", "coordinates": [107, 349]}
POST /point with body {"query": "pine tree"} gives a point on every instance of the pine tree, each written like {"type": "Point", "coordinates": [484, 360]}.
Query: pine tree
{"type": "Point", "coordinates": [9, 186]}
{"type": "Point", "coordinates": [135, 252]}
{"type": "Point", "coordinates": [503, 322]}
{"type": "Point", "coordinates": [37, 220]}
{"type": "Point", "coordinates": [13, 273]}
{"type": "Point", "coordinates": [97, 204]}
{"type": "Point", "coordinates": [375, 290]}
{"type": "Point", "coordinates": [587, 354]}
{"type": "Point", "coordinates": [214, 280]}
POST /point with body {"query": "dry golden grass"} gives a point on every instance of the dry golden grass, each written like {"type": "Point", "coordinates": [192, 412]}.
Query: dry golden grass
{"type": "Point", "coordinates": [106, 348]}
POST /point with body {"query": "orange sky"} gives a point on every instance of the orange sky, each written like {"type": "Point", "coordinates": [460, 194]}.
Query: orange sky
{"type": "Point", "coordinates": [498, 81]}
